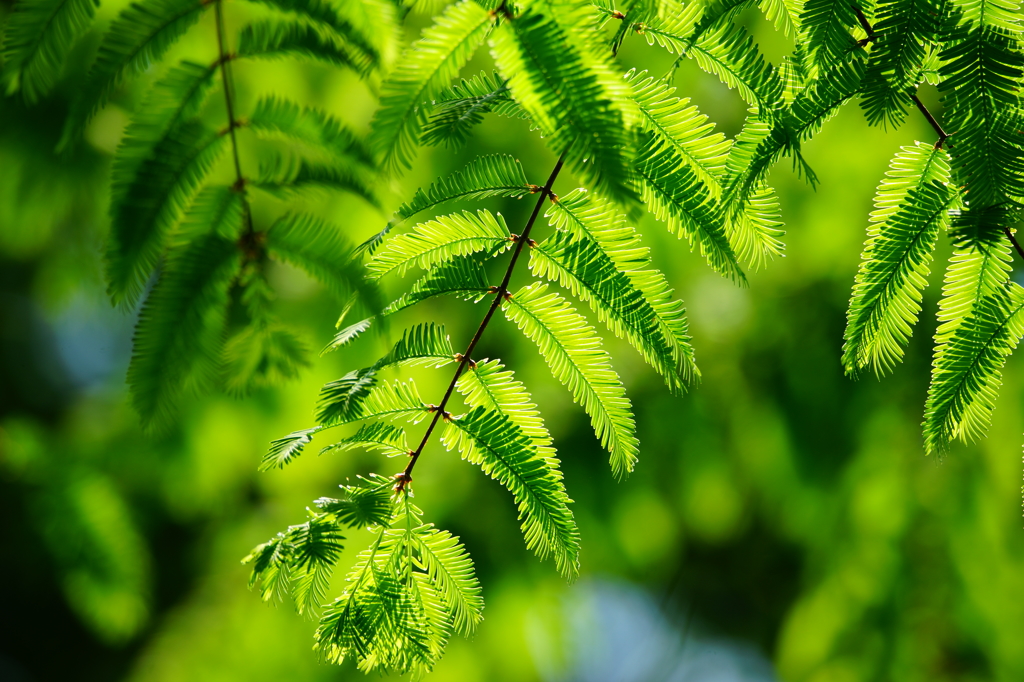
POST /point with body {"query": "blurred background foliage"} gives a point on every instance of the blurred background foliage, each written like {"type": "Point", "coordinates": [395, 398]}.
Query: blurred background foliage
{"type": "Point", "coordinates": [783, 521]}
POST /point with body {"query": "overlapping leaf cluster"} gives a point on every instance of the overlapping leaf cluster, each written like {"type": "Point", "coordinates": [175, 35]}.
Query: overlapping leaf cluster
{"type": "Point", "coordinates": [632, 143]}
{"type": "Point", "coordinates": [207, 319]}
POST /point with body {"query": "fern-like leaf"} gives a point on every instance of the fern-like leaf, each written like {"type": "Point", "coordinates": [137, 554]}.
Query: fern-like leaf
{"type": "Point", "coordinates": [423, 345]}
{"type": "Point", "coordinates": [385, 438]}
{"type": "Point", "coordinates": [38, 36]}
{"type": "Point", "coordinates": [582, 267]}
{"type": "Point", "coordinates": [282, 118]}
{"type": "Point", "coordinates": [573, 351]}
{"type": "Point", "coordinates": [180, 332]}
{"type": "Point", "coordinates": [355, 398]}
{"type": "Point", "coordinates": [828, 25]}
{"type": "Point", "coordinates": [966, 371]}
{"type": "Point", "coordinates": [912, 206]}
{"type": "Point", "coordinates": [321, 250]}
{"type": "Point", "coordinates": [676, 196]}
{"type": "Point", "coordinates": [288, 176]}
{"type": "Point", "coordinates": [461, 107]}
{"type": "Point", "coordinates": [428, 66]}
{"type": "Point", "coordinates": [152, 204]}
{"type": "Point", "coordinates": [140, 35]}
{"type": "Point", "coordinates": [462, 277]}
{"type": "Point", "coordinates": [492, 441]}
{"type": "Point", "coordinates": [300, 40]}
{"type": "Point", "coordinates": [572, 95]}
{"type": "Point", "coordinates": [589, 217]}
{"type": "Point", "coordinates": [440, 240]}
{"type": "Point", "coordinates": [494, 175]}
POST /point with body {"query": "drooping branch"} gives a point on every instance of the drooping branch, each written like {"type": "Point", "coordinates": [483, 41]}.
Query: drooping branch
{"type": "Point", "coordinates": [500, 293]}
{"type": "Point", "coordinates": [224, 61]}
{"type": "Point", "coordinates": [932, 121]}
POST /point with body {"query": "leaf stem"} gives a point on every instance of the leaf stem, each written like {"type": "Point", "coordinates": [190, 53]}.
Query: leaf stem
{"type": "Point", "coordinates": [500, 293]}
{"type": "Point", "coordinates": [225, 70]}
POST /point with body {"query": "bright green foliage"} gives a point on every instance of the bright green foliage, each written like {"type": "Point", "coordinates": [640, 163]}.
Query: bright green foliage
{"type": "Point", "coordinates": [573, 351]}
{"type": "Point", "coordinates": [186, 213]}
{"type": "Point", "coordinates": [301, 40]}
{"type": "Point", "coordinates": [495, 443]}
{"type": "Point", "coordinates": [828, 25]}
{"type": "Point", "coordinates": [38, 37]}
{"type": "Point", "coordinates": [572, 95]}
{"type": "Point", "coordinates": [496, 175]}
{"type": "Point", "coordinates": [405, 597]}
{"type": "Point", "coordinates": [138, 37]}
{"type": "Point", "coordinates": [966, 372]}
{"type": "Point", "coordinates": [458, 108]}
{"type": "Point", "coordinates": [385, 438]}
{"type": "Point", "coordinates": [151, 205]}
{"type": "Point", "coordinates": [429, 66]}
{"type": "Point", "coordinates": [441, 240]}
{"type": "Point", "coordinates": [463, 277]}
{"type": "Point", "coordinates": [912, 206]}
{"type": "Point", "coordinates": [904, 31]}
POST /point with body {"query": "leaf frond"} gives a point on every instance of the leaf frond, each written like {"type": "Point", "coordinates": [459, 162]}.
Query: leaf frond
{"type": "Point", "coordinates": [573, 352]}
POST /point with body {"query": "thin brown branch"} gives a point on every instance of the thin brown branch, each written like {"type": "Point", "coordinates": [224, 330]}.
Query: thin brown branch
{"type": "Point", "coordinates": [224, 61]}
{"type": "Point", "coordinates": [1013, 240]}
{"type": "Point", "coordinates": [500, 293]}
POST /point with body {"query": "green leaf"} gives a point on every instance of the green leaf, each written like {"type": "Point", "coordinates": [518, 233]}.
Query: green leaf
{"type": "Point", "coordinates": [493, 175]}
{"type": "Point", "coordinates": [911, 206]}
{"type": "Point", "coordinates": [328, 15]}
{"type": "Point", "coordinates": [386, 438]}
{"type": "Point", "coordinates": [139, 37]}
{"type": "Point", "coordinates": [300, 40]}
{"type": "Point", "coordinates": [450, 569]}
{"type": "Point", "coordinates": [572, 349]}
{"type": "Point", "coordinates": [395, 614]}
{"type": "Point", "coordinates": [582, 267]}
{"type": "Point", "coordinates": [180, 333]}
{"type": "Point", "coordinates": [828, 25]}
{"type": "Point", "coordinates": [150, 207]}
{"type": "Point", "coordinates": [784, 14]}
{"type": "Point", "coordinates": [262, 355]}
{"type": "Point", "coordinates": [316, 548]}
{"type": "Point", "coordinates": [427, 67]}
{"type": "Point", "coordinates": [423, 345]}
{"type": "Point", "coordinates": [489, 385]}
{"type": "Point", "coordinates": [38, 37]}
{"type": "Point", "coordinates": [463, 277]}
{"type": "Point", "coordinates": [461, 107]}
{"type": "Point", "coordinates": [980, 90]}
{"type": "Point", "coordinates": [573, 96]}
{"type": "Point", "coordinates": [440, 240]}
{"type": "Point", "coordinates": [590, 217]}
{"type": "Point", "coordinates": [275, 117]}
{"type": "Point", "coordinates": [903, 30]}
{"type": "Point", "coordinates": [974, 273]}
{"type": "Point", "coordinates": [283, 450]}
{"type": "Point", "coordinates": [751, 225]}
{"type": "Point", "coordinates": [966, 370]}
{"type": "Point", "coordinates": [675, 195]}
{"type": "Point", "coordinates": [367, 503]}
{"type": "Point", "coordinates": [173, 100]}
{"type": "Point", "coordinates": [355, 397]}
{"type": "Point", "coordinates": [217, 209]}
{"type": "Point", "coordinates": [287, 176]}
{"type": "Point", "coordinates": [319, 248]}
{"type": "Point", "coordinates": [501, 450]}
{"type": "Point", "coordinates": [347, 335]}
